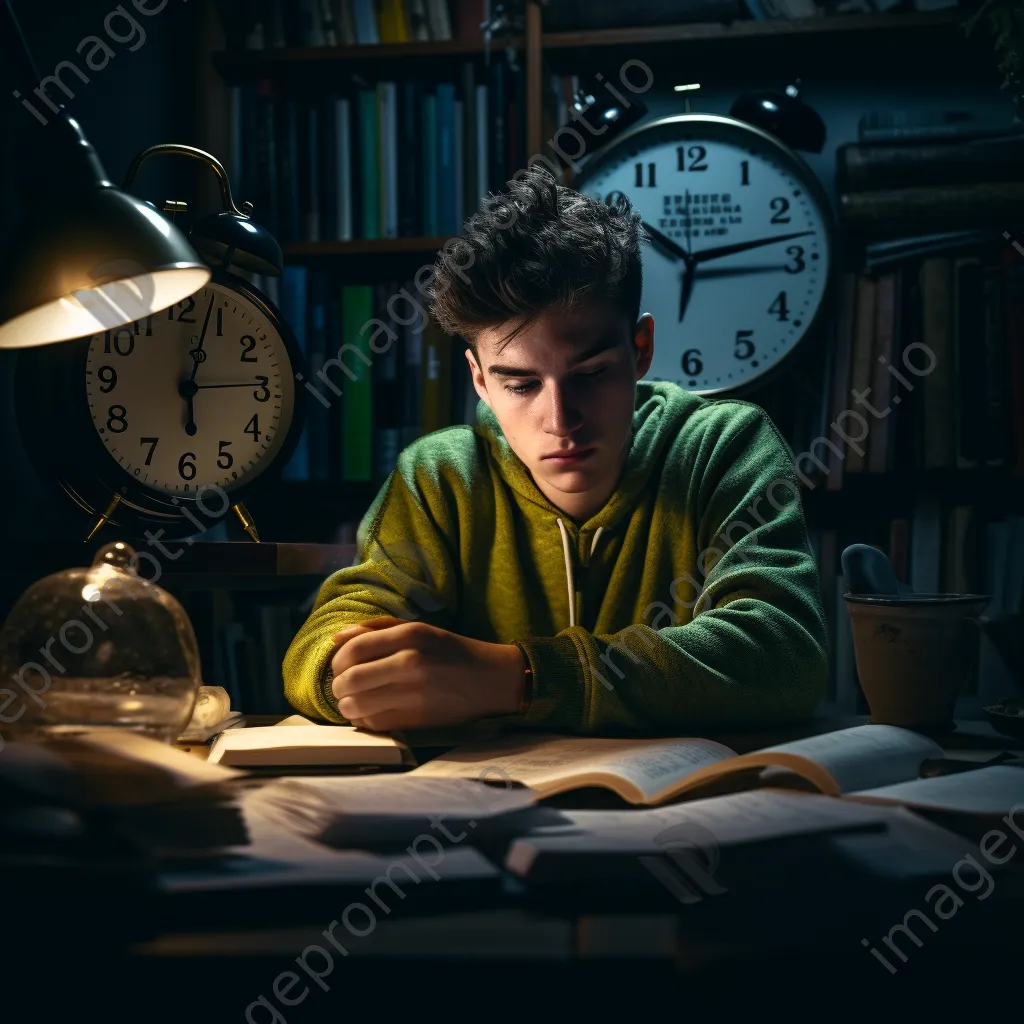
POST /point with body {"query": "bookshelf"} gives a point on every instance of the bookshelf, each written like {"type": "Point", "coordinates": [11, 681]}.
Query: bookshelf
{"type": "Point", "coordinates": [910, 496]}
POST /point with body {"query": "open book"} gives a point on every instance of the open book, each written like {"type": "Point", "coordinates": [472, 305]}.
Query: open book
{"type": "Point", "coordinates": [652, 772]}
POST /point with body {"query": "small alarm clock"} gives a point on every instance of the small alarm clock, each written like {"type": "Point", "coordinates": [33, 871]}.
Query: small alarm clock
{"type": "Point", "coordinates": [138, 422]}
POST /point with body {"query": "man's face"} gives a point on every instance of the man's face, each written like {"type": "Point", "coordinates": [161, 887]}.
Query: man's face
{"type": "Point", "coordinates": [567, 384]}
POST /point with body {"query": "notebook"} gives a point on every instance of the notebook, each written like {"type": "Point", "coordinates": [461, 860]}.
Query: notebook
{"type": "Point", "coordinates": [310, 744]}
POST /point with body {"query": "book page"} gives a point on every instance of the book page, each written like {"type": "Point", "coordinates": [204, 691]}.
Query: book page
{"type": "Point", "coordinates": [305, 744]}
{"type": "Point", "coordinates": [991, 791]}
{"type": "Point", "coordinates": [555, 764]}
{"type": "Point", "coordinates": [862, 757]}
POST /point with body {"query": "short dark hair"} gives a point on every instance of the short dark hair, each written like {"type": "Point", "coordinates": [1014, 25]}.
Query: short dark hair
{"type": "Point", "coordinates": [539, 245]}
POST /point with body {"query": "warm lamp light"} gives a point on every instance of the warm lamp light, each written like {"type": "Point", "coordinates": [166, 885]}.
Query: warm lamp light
{"type": "Point", "coordinates": [94, 258]}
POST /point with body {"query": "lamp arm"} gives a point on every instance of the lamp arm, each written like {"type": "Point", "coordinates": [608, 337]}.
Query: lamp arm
{"type": "Point", "coordinates": [197, 154]}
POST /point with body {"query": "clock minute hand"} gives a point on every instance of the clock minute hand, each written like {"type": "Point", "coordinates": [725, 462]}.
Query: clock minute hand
{"type": "Point", "coordinates": [727, 250]}
{"type": "Point", "coordinates": [244, 384]}
{"type": "Point", "coordinates": [197, 353]}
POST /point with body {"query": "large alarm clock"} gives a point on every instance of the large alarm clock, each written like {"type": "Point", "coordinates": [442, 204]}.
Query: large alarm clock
{"type": "Point", "coordinates": [144, 421]}
{"type": "Point", "coordinates": [737, 257]}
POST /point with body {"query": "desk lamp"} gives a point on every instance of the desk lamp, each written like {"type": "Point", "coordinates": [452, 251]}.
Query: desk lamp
{"type": "Point", "coordinates": [92, 258]}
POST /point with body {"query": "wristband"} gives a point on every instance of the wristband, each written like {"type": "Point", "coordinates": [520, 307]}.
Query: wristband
{"type": "Point", "coordinates": [524, 702]}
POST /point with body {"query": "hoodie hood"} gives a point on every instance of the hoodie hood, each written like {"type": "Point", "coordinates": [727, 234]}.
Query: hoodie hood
{"type": "Point", "coordinates": [659, 410]}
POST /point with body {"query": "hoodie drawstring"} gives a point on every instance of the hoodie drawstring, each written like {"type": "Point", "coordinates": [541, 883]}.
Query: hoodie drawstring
{"type": "Point", "coordinates": [570, 582]}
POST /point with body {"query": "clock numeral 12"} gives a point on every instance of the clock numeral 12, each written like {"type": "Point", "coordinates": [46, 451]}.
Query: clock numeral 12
{"type": "Point", "coordinates": [650, 175]}
{"type": "Point", "coordinates": [698, 158]}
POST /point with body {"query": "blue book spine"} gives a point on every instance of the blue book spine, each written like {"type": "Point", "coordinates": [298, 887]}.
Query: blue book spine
{"type": "Point", "coordinates": [293, 306]}
{"type": "Point", "coordinates": [446, 173]}
{"type": "Point", "coordinates": [429, 179]}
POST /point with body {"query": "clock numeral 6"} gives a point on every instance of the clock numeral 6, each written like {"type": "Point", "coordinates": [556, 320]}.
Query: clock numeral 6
{"type": "Point", "coordinates": [744, 346]}
{"type": "Point", "coordinates": [152, 442]}
{"type": "Point", "coordinates": [691, 363]}
{"type": "Point", "coordinates": [117, 419]}
{"type": "Point", "coordinates": [224, 459]}
{"type": "Point", "coordinates": [263, 394]}
{"type": "Point", "coordinates": [187, 468]}
{"type": "Point", "coordinates": [248, 343]}
{"type": "Point", "coordinates": [108, 376]}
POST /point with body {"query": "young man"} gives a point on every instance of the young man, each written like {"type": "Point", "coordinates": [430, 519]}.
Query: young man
{"type": "Point", "coordinates": [598, 553]}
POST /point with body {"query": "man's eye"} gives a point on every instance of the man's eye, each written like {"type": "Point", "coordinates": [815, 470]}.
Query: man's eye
{"type": "Point", "coordinates": [521, 389]}
{"type": "Point", "coordinates": [595, 373]}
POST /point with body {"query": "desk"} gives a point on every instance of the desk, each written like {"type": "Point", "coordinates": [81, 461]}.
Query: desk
{"type": "Point", "coordinates": [485, 942]}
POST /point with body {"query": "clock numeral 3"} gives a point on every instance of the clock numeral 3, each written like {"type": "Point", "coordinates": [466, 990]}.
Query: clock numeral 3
{"type": "Point", "coordinates": [651, 180]}
{"type": "Point", "coordinates": [109, 378]}
{"type": "Point", "coordinates": [187, 468]}
{"type": "Point", "coordinates": [780, 206]}
{"type": "Point", "coordinates": [779, 307]}
{"type": "Point", "coordinates": [248, 343]}
{"type": "Point", "coordinates": [152, 442]}
{"type": "Point", "coordinates": [123, 342]}
{"type": "Point", "coordinates": [798, 264]}
{"type": "Point", "coordinates": [117, 419]}
{"type": "Point", "coordinates": [692, 363]}
{"type": "Point", "coordinates": [698, 156]}
{"type": "Point", "coordinates": [224, 459]}
{"type": "Point", "coordinates": [253, 427]}
{"type": "Point", "coordinates": [263, 395]}
{"type": "Point", "coordinates": [744, 346]}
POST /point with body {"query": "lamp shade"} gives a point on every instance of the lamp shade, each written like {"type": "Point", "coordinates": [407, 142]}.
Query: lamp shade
{"type": "Point", "coordinates": [91, 257]}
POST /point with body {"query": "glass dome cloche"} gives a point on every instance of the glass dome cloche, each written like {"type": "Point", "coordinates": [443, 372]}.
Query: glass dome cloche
{"type": "Point", "coordinates": [98, 647]}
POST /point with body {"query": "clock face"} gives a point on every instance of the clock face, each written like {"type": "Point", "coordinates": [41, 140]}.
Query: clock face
{"type": "Point", "coordinates": [201, 393]}
{"type": "Point", "coordinates": [738, 261]}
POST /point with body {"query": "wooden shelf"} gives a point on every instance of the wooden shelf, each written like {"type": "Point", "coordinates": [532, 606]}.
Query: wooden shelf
{"type": "Point", "coordinates": [367, 246]}
{"type": "Point", "coordinates": [820, 26]}
{"type": "Point", "coordinates": [267, 61]}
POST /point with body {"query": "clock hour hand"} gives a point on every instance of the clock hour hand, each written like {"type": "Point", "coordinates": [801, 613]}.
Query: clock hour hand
{"type": "Point", "coordinates": [188, 390]}
{"type": "Point", "coordinates": [727, 250]}
{"type": "Point", "coordinates": [684, 298]}
{"type": "Point", "coordinates": [666, 244]}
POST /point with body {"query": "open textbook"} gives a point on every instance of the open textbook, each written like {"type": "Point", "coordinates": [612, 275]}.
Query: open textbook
{"type": "Point", "coordinates": [655, 771]}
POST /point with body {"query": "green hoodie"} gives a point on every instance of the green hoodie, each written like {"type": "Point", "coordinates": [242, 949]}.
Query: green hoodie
{"type": "Point", "coordinates": [621, 627]}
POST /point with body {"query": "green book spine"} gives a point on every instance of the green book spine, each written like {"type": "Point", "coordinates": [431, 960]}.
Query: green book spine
{"type": "Point", "coordinates": [368, 134]}
{"type": "Point", "coordinates": [357, 401]}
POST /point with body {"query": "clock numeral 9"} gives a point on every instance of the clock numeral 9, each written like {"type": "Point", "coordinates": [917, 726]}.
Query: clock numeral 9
{"type": "Point", "coordinates": [253, 427]}
{"type": "Point", "coordinates": [152, 442]}
{"type": "Point", "coordinates": [798, 264]}
{"type": "Point", "coordinates": [263, 395]}
{"type": "Point", "coordinates": [224, 459]}
{"type": "Point", "coordinates": [691, 363]}
{"type": "Point", "coordinates": [698, 158]}
{"type": "Point", "coordinates": [248, 343]}
{"type": "Point", "coordinates": [780, 206]}
{"type": "Point", "coordinates": [779, 307]}
{"type": "Point", "coordinates": [123, 341]}
{"type": "Point", "coordinates": [187, 468]}
{"type": "Point", "coordinates": [117, 419]}
{"type": "Point", "coordinates": [107, 376]}
{"type": "Point", "coordinates": [744, 346]}
{"type": "Point", "coordinates": [639, 169]}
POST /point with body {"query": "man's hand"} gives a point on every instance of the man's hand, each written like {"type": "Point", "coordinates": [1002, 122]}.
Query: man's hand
{"type": "Point", "coordinates": [393, 674]}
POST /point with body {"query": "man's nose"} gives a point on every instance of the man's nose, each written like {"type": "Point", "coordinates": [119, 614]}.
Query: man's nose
{"type": "Point", "coordinates": [562, 413]}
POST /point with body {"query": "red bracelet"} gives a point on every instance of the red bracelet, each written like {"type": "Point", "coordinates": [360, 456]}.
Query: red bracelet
{"type": "Point", "coordinates": [524, 703]}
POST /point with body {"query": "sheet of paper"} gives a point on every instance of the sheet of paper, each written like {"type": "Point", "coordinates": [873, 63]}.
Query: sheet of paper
{"type": "Point", "coordinates": [271, 745]}
{"type": "Point", "coordinates": [865, 756]}
{"type": "Point", "coordinates": [294, 720]}
{"type": "Point", "coordinates": [402, 795]}
{"type": "Point", "coordinates": [989, 791]}
{"type": "Point", "coordinates": [539, 762]}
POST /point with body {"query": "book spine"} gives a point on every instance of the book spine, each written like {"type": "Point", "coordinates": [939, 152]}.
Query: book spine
{"type": "Point", "coordinates": [357, 409]}
{"type": "Point", "coordinates": [952, 206]}
{"type": "Point", "coordinates": [293, 307]}
{"type": "Point", "coordinates": [343, 168]}
{"type": "Point", "coordinates": [369, 178]}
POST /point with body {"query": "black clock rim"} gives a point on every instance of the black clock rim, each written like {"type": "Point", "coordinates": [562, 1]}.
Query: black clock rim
{"type": "Point", "coordinates": [662, 125]}
{"type": "Point", "coordinates": [50, 397]}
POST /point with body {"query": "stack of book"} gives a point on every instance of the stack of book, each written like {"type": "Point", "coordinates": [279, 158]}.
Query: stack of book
{"type": "Point", "coordinates": [392, 159]}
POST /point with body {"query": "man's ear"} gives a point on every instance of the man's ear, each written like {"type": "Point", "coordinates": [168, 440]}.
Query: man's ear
{"type": "Point", "coordinates": [479, 384]}
{"type": "Point", "coordinates": [643, 343]}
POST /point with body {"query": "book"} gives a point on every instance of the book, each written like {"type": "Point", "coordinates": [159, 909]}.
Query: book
{"type": "Point", "coordinates": [345, 811]}
{"type": "Point", "coordinates": [311, 744]}
{"type": "Point", "coordinates": [649, 772]}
